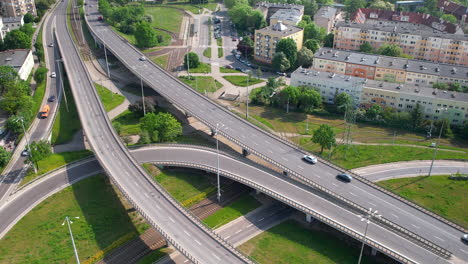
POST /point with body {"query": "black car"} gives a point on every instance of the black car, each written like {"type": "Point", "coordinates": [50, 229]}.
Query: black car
{"type": "Point", "coordinates": [51, 98]}
{"type": "Point", "coordinates": [344, 177]}
{"type": "Point", "coordinates": [239, 69]}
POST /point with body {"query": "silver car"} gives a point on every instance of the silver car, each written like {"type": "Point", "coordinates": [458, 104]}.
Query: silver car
{"type": "Point", "coordinates": [310, 159]}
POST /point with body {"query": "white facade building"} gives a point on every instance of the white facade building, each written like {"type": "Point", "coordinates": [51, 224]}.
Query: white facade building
{"type": "Point", "coordinates": [21, 60]}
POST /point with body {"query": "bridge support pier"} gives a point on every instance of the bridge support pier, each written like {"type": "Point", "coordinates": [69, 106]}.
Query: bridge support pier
{"type": "Point", "coordinates": [373, 252]}
{"type": "Point", "coordinates": [245, 152]}
{"type": "Point", "coordinates": [309, 218]}
{"type": "Point", "coordinates": [213, 132]}
{"type": "Point", "coordinates": [257, 192]}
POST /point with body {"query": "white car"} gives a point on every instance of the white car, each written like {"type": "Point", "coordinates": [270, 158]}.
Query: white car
{"type": "Point", "coordinates": [53, 75]}
{"type": "Point", "coordinates": [464, 238]}
{"type": "Point", "coordinates": [51, 44]}
{"type": "Point", "coordinates": [310, 159]}
{"type": "Point", "coordinates": [143, 58]}
{"type": "Point", "coordinates": [25, 153]}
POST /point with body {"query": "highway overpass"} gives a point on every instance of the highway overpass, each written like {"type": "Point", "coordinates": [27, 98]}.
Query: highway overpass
{"type": "Point", "coordinates": [277, 151]}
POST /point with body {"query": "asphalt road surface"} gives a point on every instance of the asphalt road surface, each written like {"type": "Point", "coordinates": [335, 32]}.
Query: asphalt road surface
{"type": "Point", "coordinates": [23, 201]}
{"type": "Point", "coordinates": [274, 149]}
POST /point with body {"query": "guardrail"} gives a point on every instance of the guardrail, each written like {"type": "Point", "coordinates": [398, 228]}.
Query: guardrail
{"type": "Point", "coordinates": [294, 204]}
{"type": "Point", "coordinates": [426, 243]}
{"type": "Point", "coordinates": [155, 186]}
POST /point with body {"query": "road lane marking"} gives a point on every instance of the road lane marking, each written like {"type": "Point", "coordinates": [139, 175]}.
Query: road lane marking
{"type": "Point", "coordinates": [186, 261]}
{"type": "Point", "coordinates": [250, 225]}
{"type": "Point", "coordinates": [157, 206]}
{"type": "Point", "coordinates": [172, 220]}
{"type": "Point", "coordinates": [261, 219]}
{"type": "Point", "coordinates": [215, 256]}
{"type": "Point", "coordinates": [415, 226]}
{"type": "Point", "coordinates": [352, 194]}
{"type": "Point", "coordinates": [187, 233]}
{"type": "Point", "coordinates": [334, 184]}
{"type": "Point", "coordinates": [146, 195]}
{"type": "Point", "coordinates": [464, 251]}
{"type": "Point", "coordinates": [300, 167]}
{"type": "Point", "coordinates": [198, 242]}
{"type": "Point", "coordinates": [227, 237]}
{"type": "Point", "coordinates": [439, 238]}
{"type": "Point", "coordinates": [270, 151]}
{"type": "Point", "coordinates": [395, 215]}
{"type": "Point", "coordinates": [284, 158]}
{"type": "Point", "coordinates": [238, 231]}
{"type": "Point", "coordinates": [373, 204]}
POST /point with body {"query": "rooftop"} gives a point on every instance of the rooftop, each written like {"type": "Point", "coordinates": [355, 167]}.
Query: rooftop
{"type": "Point", "coordinates": [446, 70]}
{"type": "Point", "coordinates": [14, 58]}
{"type": "Point", "coordinates": [405, 28]}
{"type": "Point", "coordinates": [329, 76]}
{"type": "Point", "coordinates": [326, 11]}
{"type": "Point", "coordinates": [280, 28]}
{"type": "Point", "coordinates": [292, 15]}
{"type": "Point", "coordinates": [280, 5]}
{"type": "Point", "coordinates": [411, 89]}
{"type": "Point", "coordinates": [16, 19]}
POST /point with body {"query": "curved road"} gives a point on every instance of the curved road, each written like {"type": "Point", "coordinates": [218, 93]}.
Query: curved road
{"type": "Point", "coordinates": [272, 148]}
{"type": "Point", "coordinates": [176, 225]}
{"type": "Point", "coordinates": [191, 156]}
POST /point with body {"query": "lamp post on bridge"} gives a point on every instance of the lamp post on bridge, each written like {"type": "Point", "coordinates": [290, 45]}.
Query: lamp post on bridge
{"type": "Point", "coordinates": [368, 217]}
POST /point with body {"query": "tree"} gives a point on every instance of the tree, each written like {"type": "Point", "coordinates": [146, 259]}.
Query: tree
{"type": "Point", "coordinates": [312, 44]}
{"type": "Point", "coordinates": [342, 101]}
{"type": "Point", "coordinates": [445, 125]}
{"type": "Point", "coordinates": [380, 4]}
{"type": "Point", "coordinates": [441, 86]}
{"type": "Point", "coordinates": [246, 46]}
{"type": "Point", "coordinates": [40, 74]}
{"type": "Point", "coordinates": [38, 151]}
{"type": "Point", "coordinates": [352, 6]}
{"type": "Point", "coordinates": [145, 35]}
{"type": "Point", "coordinates": [232, 3]}
{"type": "Point", "coordinates": [366, 47]}
{"type": "Point", "coordinates": [289, 48]}
{"type": "Point", "coordinates": [280, 62]}
{"type": "Point", "coordinates": [264, 96]}
{"type": "Point", "coordinates": [312, 31]}
{"type": "Point", "coordinates": [14, 124]}
{"type": "Point", "coordinates": [417, 117]}
{"type": "Point", "coordinates": [290, 94]}
{"type": "Point", "coordinates": [390, 50]}
{"type": "Point", "coordinates": [304, 57]}
{"type": "Point", "coordinates": [7, 76]}
{"type": "Point", "coordinates": [17, 39]}
{"type": "Point", "coordinates": [450, 18]}
{"type": "Point", "coordinates": [4, 157]}
{"type": "Point", "coordinates": [193, 60]}
{"type": "Point", "coordinates": [456, 87]}
{"type": "Point", "coordinates": [373, 112]}
{"type": "Point", "coordinates": [307, 19]}
{"type": "Point", "coordinates": [310, 7]}
{"type": "Point", "coordinates": [328, 41]}
{"type": "Point", "coordinates": [309, 99]}
{"type": "Point", "coordinates": [137, 106]}
{"type": "Point", "coordinates": [324, 136]}
{"type": "Point", "coordinates": [28, 29]}
{"type": "Point", "coordinates": [431, 6]}
{"type": "Point", "coordinates": [161, 127]}
{"type": "Point", "coordinates": [28, 18]}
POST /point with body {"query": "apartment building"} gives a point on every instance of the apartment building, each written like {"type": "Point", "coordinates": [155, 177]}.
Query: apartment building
{"type": "Point", "coordinates": [326, 17]}
{"type": "Point", "coordinates": [401, 97]}
{"type": "Point", "coordinates": [267, 38]}
{"type": "Point", "coordinates": [416, 40]}
{"type": "Point", "coordinates": [269, 9]}
{"type": "Point", "coordinates": [388, 17]}
{"type": "Point", "coordinates": [389, 69]}
{"type": "Point", "coordinates": [290, 17]}
{"type": "Point", "coordinates": [16, 8]}
{"type": "Point", "coordinates": [452, 8]}
{"type": "Point", "coordinates": [21, 60]}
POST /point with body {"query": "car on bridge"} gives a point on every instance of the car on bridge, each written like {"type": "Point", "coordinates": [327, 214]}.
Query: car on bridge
{"type": "Point", "coordinates": [344, 177]}
{"type": "Point", "coordinates": [464, 238]}
{"type": "Point", "coordinates": [310, 159]}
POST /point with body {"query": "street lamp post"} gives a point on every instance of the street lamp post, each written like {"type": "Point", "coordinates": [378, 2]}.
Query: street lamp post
{"type": "Point", "coordinates": [61, 84]}
{"type": "Point", "coordinates": [249, 75]}
{"type": "Point", "coordinates": [368, 217]}
{"type": "Point", "coordinates": [438, 142]}
{"type": "Point", "coordinates": [217, 166]}
{"type": "Point", "coordinates": [67, 219]}
{"type": "Point", "coordinates": [27, 142]}
{"type": "Point", "coordinates": [142, 97]}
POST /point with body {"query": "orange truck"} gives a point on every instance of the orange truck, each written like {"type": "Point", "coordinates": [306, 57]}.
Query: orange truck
{"type": "Point", "coordinates": [45, 111]}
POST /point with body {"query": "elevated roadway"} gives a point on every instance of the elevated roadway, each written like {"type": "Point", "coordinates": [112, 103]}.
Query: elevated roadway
{"type": "Point", "coordinates": [295, 194]}
{"type": "Point", "coordinates": [277, 151]}
{"type": "Point", "coordinates": [168, 217]}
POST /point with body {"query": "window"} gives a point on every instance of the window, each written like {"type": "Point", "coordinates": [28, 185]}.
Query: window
{"type": "Point", "coordinates": [400, 105]}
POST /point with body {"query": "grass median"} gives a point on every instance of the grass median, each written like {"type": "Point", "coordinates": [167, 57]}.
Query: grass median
{"type": "Point", "coordinates": [207, 52]}
{"type": "Point", "coordinates": [202, 68]}
{"type": "Point", "coordinates": [289, 242]}
{"type": "Point", "coordinates": [40, 237]}
{"type": "Point", "coordinates": [238, 208]}
{"type": "Point", "coordinates": [109, 99]}
{"type": "Point", "coordinates": [202, 83]}
{"type": "Point", "coordinates": [439, 194]}
{"type": "Point", "coordinates": [241, 80]}
{"type": "Point", "coordinates": [161, 60]}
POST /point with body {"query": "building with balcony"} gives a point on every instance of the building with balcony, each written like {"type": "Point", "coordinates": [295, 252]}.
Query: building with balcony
{"type": "Point", "coordinates": [326, 17]}
{"type": "Point", "coordinates": [269, 9]}
{"type": "Point", "coordinates": [15, 8]}
{"type": "Point", "coordinates": [416, 40]}
{"type": "Point", "coordinates": [435, 104]}
{"type": "Point", "coordinates": [267, 38]}
{"type": "Point", "coordinates": [388, 69]}
{"type": "Point", "coordinates": [20, 59]}
{"type": "Point", "coordinates": [290, 17]}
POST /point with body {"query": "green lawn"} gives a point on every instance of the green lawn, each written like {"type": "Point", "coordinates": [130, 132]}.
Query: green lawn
{"type": "Point", "coordinates": [232, 211]}
{"type": "Point", "coordinates": [219, 42]}
{"type": "Point", "coordinates": [220, 52]}
{"type": "Point", "coordinates": [241, 80]}
{"type": "Point", "coordinates": [365, 155]}
{"type": "Point", "coordinates": [165, 18]}
{"type": "Point", "coordinates": [291, 243]}
{"type": "Point", "coordinates": [437, 193]}
{"type": "Point", "coordinates": [130, 123]}
{"type": "Point", "coordinates": [109, 99]}
{"type": "Point", "coordinates": [40, 237]}
{"type": "Point", "coordinates": [207, 52]}
{"type": "Point", "coordinates": [202, 68]}
{"type": "Point", "coordinates": [130, 38]}
{"type": "Point", "coordinates": [54, 161]}
{"type": "Point", "coordinates": [202, 83]}
{"type": "Point", "coordinates": [225, 70]}
{"type": "Point", "coordinates": [188, 188]}
{"type": "Point", "coordinates": [67, 123]}
{"type": "Point", "coordinates": [186, 5]}
{"type": "Point", "coordinates": [154, 256]}
{"type": "Point", "coordinates": [161, 60]}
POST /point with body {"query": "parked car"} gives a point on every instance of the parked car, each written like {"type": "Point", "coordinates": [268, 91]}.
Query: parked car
{"type": "Point", "coordinates": [53, 75]}
{"type": "Point", "coordinates": [433, 145]}
{"type": "Point", "coordinates": [234, 39]}
{"type": "Point", "coordinates": [310, 159]}
{"type": "Point", "coordinates": [24, 153]}
{"type": "Point", "coordinates": [344, 177]}
{"type": "Point", "coordinates": [254, 66]}
{"type": "Point", "coordinates": [239, 69]}
{"type": "Point", "coordinates": [229, 67]}
{"type": "Point", "coordinates": [238, 56]}
{"type": "Point", "coordinates": [281, 73]}
{"type": "Point", "coordinates": [99, 18]}
{"type": "Point", "coordinates": [51, 98]}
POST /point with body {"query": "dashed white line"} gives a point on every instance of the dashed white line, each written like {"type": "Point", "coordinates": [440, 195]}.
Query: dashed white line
{"type": "Point", "coordinates": [270, 151]}
{"type": "Point", "coordinates": [395, 215]}
{"type": "Point", "coordinates": [198, 242]}
{"type": "Point", "coordinates": [172, 220]}
{"type": "Point", "coordinates": [215, 256]}
{"type": "Point", "coordinates": [439, 238]}
{"type": "Point", "coordinates": [352, 194]}
{"type": "Point", "coordinates": [372, 204]}
{"type": "Point", "coordinates": [186, 261]}
{"type": "Point", "coordinates": [261, 219]}
{"type": "Point", "coordinates": [146, 195]}
{"type": "Point", "coordinates": [284, 158]}
{"type": "Point", "coordinates": [187, 233]}
{"type": "Point", "coordinates": [250, 225]}
{"type": "Point", "coordinates": [464, 251]}
{"type": "Point", "coordinates": [300, 167]}
{"type": "Point", "coordinates": [415, 226]}
{"type": "Point", "coordinates": [334, 184]}
{"type": "Point", "coordinates": [238, 231]}
{"type": "Point", "coordinates": [227, 237]}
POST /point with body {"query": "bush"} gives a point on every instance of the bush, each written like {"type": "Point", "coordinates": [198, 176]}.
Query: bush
{"type": "Point", "coordinates": [40, 75]}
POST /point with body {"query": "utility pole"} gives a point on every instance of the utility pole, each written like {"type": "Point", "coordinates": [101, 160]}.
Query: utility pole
{"type": "Point", "coordinates": [436, 147]}
{"type": "Point", "coordinates": [368, 217]}
{"type": "Point", "coordinates": [27, 142]}
{"type": "Point", "coordinates": [71, 235]}
{"type": "Point", "coordinates": [249, 75]}
{"type": "Point", "coordinates": [61, 84]}
{"type": "Point", "coordinates": [217, 167]}
{"type": "Point", "coordinates": [107, 63]}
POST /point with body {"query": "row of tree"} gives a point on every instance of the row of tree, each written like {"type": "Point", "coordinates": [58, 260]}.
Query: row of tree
{"type": "Point", "coordinates": [18, 38]}
{"type": "Point", "coordinates": [456, 87]}
{"type": "Point", "coordinates": [391, 50]}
